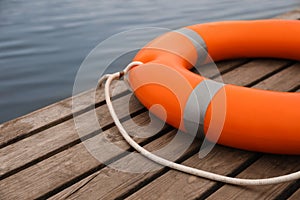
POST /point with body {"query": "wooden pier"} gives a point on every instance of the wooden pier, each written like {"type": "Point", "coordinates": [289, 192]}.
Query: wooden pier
{"type": "Point", "coordinates": [42, 156]}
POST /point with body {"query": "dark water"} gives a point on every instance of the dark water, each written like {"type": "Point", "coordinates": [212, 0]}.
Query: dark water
{"type": "Point", "coordinates": [43, 43]}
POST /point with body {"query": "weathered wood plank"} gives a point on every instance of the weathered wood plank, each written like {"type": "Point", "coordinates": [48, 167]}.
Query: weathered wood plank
{"type": "Point", "coordinates": [177, 185]}
{"type": "Point", "coordinates": [20, 153]}
{"type": "Point", "coordinates": [63, 167]}
{"type": "Point", "coordinates": [210, 71]}
{"type": "Point", "coordinates": [102, 185]}
{"type": "Point", "coordinates": [32, 183]}
{"type": "Point", "coordinates": [254, 71]}
{"type": "Point", "coordinates": [267, 166]}
{"type": "Point", "coordinates": [281, 81]}
{"type": "Point", "coordinates": [114, 192]}
{"type": "Point", "coordinates": [48, 116]}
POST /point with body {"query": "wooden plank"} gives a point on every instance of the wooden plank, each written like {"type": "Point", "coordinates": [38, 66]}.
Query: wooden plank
{"type": "Point", "coordinates": [268, 165]}
{"type": "Point", "coordinates": [281, 81]}
{"type": "Point", "coordinates": [48, 116]}
{"type": "Point", "coordinates": [64, 166]}
{"type": "Point", "coordinates": [177, 185]}
{"type": "Point", "coordinates": [210, 70]}
{"type": "Point", "coordinates": [254, 71]}
{"type": "Point", "coordinates": [230, 78]}
{"type": "Point", "coordinates": [21, 153]}
{"type": "Point", "coordinates": [106, 179]}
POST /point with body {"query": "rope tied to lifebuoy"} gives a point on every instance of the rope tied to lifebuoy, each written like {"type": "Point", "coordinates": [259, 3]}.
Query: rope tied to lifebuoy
{"type": "Point", "coordinates": [108, 78]}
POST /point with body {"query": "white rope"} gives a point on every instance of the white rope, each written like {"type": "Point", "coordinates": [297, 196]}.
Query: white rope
{"type": "Point", "coordinates": [183, 168]}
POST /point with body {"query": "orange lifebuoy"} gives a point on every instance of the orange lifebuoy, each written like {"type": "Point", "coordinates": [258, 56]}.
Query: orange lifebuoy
{"type": "Point", "coordinates": [256, 120]}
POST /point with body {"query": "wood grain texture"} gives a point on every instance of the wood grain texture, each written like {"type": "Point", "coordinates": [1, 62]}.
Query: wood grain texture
{"type": "Point", "coordinates": [64, 166]}
{"type": "Point", "coordinates": [50, 115]}
{"type": "Point", "coordinates": [214, 69]}
{"type": "Point", "coordinates": [253, 71]}
{"type": "Point", "coordinates": [267, 166]}
{"type": "Point", "coordinates": [177, 185]}
{"type": "Point", "coordinates": [282, 81]}
{"type": "Point", "coordinates": [102, 185]}
{"type": "Point", "coordinates": [32, 148]}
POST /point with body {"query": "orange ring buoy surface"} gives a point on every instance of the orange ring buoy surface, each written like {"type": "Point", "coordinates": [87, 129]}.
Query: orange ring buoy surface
{"type": "Point", "coordinates": [256, 120]}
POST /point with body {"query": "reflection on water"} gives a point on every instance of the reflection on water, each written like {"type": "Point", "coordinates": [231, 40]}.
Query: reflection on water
{"type": "Point", "coordinates": [42, 43]}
